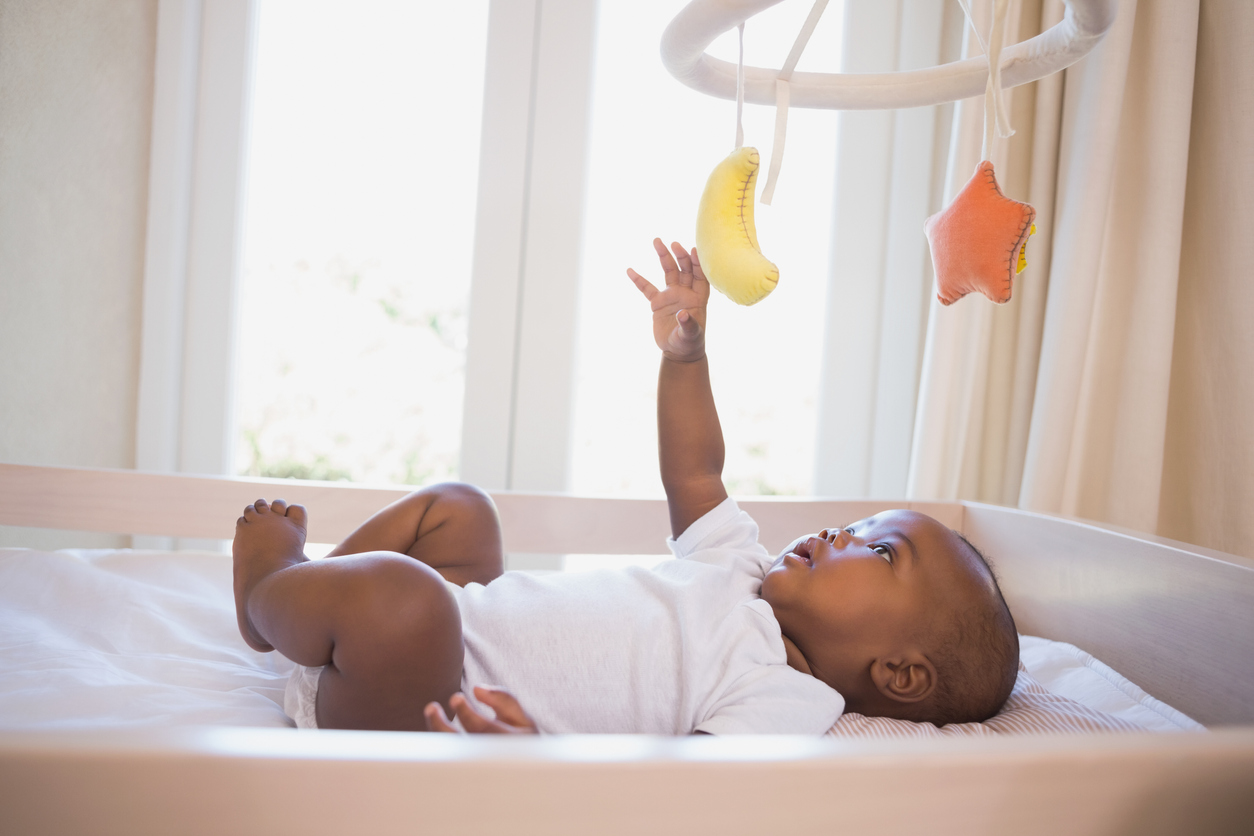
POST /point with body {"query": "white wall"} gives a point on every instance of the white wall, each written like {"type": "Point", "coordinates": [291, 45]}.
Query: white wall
{"type": "Point", "coordinates": [75, 107]}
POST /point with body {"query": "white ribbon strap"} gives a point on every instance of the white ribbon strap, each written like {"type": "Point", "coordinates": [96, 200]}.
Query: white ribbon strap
{"type": "Point", "coordinates": [781, 99]}
{"type": "Point", "coordinates": [777, 146]}
{"type": "Point", "coordinates": [740, 89]}
{"type": "Point", "coordinates": [995, 114]}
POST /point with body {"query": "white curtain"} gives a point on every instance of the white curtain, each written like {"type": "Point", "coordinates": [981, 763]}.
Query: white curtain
{"type": "Point", "coordinates": [1059, 401]}
{"type": "Point", "coordinates": [1208, 472]}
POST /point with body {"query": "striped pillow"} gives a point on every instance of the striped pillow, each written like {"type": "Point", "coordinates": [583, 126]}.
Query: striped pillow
{"type": "Point", "coordinates": [1031, 709]}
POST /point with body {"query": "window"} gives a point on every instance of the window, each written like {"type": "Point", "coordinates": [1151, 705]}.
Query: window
{"type": "Point", "coordinates": [653, 143]}
{"type": "Point", "coordinates": [363, 155]}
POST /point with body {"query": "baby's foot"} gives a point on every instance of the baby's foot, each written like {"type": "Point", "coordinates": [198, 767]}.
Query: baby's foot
{"type": "Point", "coordinates": [269, 537]}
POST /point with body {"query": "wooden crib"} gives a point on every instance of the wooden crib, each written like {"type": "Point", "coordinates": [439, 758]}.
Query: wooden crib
{"type": "Point", "coordinates": [1176, 619]}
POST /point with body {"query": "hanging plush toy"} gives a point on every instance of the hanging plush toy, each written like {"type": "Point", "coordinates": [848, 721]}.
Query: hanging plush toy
{"type": "Point", "coordinates": [979, 241]}
{"type": "Point", "coordinates": [727, 241]}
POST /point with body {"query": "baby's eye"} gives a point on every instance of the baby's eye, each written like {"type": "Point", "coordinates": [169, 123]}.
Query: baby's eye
{"type": "Point", "coordinates": [884, 552]}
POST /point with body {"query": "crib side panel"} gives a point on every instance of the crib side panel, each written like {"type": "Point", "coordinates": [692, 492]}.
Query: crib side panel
{"type": "Point", "coordinates": [172, 505]}
{"type": "Point", "coordinates": [206, 507]}
{"type": "Point", "coordinates": [1175, 620]}
{"type": "Point", "coordinates": [281, 781]}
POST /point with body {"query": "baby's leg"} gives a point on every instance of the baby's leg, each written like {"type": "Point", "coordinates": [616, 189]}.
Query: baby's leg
{"type": "Point", "coordinates": [384, 625]}
{"type": "Point", "coordinates": [451, 527]}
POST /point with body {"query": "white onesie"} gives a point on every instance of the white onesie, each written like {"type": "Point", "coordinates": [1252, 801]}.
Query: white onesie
{"type": "Point", "coordinates": [685, 646]}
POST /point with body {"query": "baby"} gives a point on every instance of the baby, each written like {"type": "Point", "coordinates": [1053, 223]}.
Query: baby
{"type": "Point", "coordinates": [895, 615]}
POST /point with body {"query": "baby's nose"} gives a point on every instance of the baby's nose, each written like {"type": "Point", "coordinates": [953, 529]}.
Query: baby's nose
{"type": "Point", "coordinates": [838, 537]}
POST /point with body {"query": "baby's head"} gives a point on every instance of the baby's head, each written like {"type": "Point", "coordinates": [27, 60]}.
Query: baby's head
{"type": "Point", "coordinates": [899, 614]}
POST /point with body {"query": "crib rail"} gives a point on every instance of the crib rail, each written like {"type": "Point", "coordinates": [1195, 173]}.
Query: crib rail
{"type": "Point", "coordinates": [206, 507]}
{"type": "Point", "coordinates": [226, 780]}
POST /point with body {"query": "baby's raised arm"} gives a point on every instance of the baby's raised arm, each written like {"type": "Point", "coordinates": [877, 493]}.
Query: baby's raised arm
{"type": "Point", "coordinates": [690, 439]}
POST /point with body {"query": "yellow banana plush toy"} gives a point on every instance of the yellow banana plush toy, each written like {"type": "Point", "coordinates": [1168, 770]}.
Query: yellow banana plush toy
{"type": "Point", "coordinates": [727, 242]}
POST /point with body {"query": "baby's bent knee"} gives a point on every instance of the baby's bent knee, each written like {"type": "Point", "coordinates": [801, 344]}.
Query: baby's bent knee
{"type": "Point", "coordinates": [404, 594]}
{"type": "Point", "coordinates": [464, 494]}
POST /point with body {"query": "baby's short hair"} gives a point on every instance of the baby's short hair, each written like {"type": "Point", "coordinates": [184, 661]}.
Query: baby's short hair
{"type": "Point", "coordinates": [976, 658]}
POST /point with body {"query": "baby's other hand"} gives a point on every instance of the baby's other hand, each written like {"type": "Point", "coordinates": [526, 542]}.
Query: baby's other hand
{"type": "Point", "coordinates": [510, 718]}
{"type": "Point", "coordinates": [679, 310]}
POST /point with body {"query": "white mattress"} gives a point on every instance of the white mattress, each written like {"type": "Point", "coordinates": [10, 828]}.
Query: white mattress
{"type": "Point", "coordinates": [92, 638]}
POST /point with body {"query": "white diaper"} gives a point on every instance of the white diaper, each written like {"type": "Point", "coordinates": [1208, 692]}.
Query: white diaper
{"type": "Point", "coordinates": [300, 698]}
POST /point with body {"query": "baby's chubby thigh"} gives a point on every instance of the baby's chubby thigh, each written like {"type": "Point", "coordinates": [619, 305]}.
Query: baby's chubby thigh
{"type": "Point", "coordinates": [398, 646]}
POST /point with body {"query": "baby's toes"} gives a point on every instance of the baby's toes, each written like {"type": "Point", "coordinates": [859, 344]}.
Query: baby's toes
{"type": "Point", "coordinates": [250, 513]}
{"type": "Point", "coordinates": [279, 506]}
{"type": "Point", "coordinates": [296, 513]}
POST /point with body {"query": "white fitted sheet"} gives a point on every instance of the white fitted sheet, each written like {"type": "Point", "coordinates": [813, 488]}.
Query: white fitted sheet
{"type": "Point", "coordinates": [96, 638]}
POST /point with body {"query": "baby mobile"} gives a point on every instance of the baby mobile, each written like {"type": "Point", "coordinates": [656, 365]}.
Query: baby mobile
{"type": "Point", "coordinates": [978, 242]}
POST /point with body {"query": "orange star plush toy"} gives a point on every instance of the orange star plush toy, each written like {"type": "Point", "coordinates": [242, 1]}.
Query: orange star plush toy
{"type": "Point", "coordinates": [978, 240]}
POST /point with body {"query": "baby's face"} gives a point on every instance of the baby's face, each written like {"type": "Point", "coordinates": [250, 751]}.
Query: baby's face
{"type": "Point", "coordinates": [847, 596]}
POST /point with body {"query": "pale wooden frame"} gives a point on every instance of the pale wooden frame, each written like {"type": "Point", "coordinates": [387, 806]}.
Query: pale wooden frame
{"type": "Point", "coordinates": [1175, 618]}
{"type": "Point", "coordinates": [203, 83]}
{"type": "Point", "coordinates": [525, 272]}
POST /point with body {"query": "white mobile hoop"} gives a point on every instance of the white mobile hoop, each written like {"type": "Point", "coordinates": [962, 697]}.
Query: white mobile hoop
{"type": "Point", "coordinates": [700, 22]}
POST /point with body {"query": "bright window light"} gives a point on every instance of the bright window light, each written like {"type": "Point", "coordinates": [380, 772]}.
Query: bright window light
{"type": "Point", "coordinates": [360, 202]}
{"type": "Point", "coordinates": [654, 143]}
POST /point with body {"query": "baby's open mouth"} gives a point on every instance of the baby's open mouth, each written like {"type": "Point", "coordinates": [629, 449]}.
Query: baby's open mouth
{"type": "Point", "coordinates": [802, 553]}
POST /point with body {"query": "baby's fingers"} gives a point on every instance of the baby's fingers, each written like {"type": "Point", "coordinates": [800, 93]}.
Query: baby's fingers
{"type": "Point", "coordinates": [669, 267]}
{"type": "Point", "coordinates": [437, 720]}
{"type": "Point", "coordinates": [473, 721]}
{"type": "Point", "coordinates": [507, 708]}
{"type": "Point", "coordinates": [685, 341]}
{"type": "Point", "coordinates": [686, 338]}
{"type": "Point", "coordinates": [688, 326]}
{"type": "Point", "coordinates": [685, 264]}
{"type": "Point", "coordinates": [646, 287]}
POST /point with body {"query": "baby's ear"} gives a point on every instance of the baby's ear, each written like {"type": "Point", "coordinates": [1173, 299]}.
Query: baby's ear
{"type": "Point", "coordinates": [905, 679]}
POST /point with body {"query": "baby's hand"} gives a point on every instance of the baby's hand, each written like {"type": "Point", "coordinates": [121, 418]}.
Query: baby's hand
{"type": "Point", "coordinates": [679, 310]}
{"type": "Point", "coordinates": [510, 718]}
